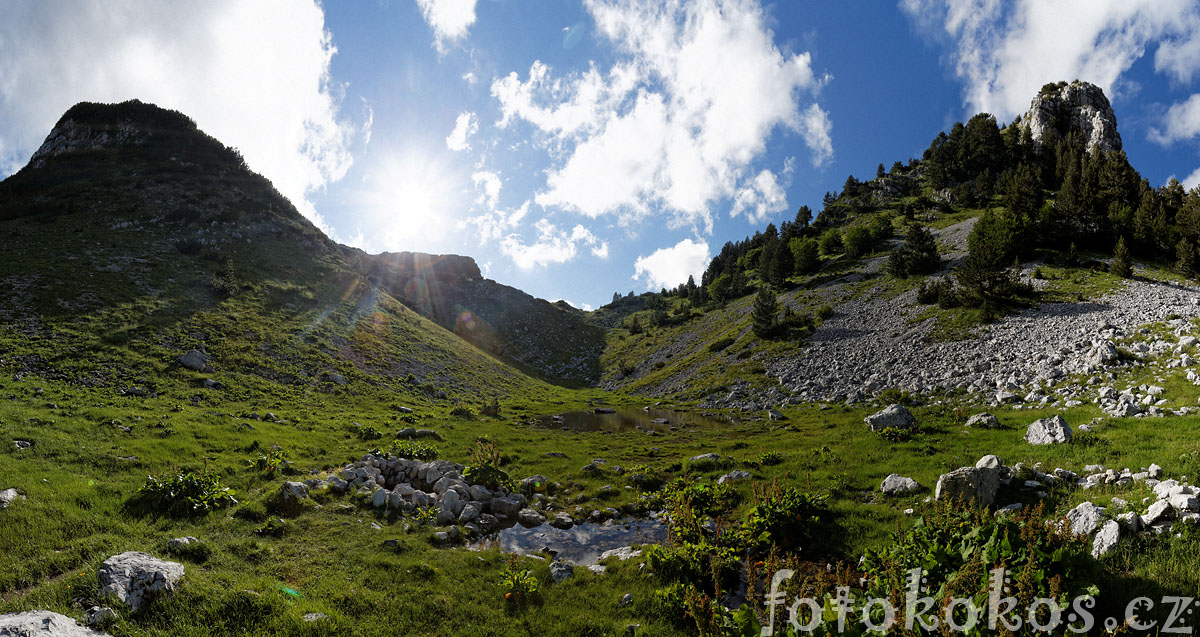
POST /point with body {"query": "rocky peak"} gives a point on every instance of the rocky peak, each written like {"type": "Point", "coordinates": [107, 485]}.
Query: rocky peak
{"type": "Point", "coordinates": [1062, 108]}
{"type": "Point", "coordinates": [88, 126]}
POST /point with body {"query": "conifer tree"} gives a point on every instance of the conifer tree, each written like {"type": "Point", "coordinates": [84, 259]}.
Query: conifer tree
{"type": "Point", "coordinates": [766, 309]}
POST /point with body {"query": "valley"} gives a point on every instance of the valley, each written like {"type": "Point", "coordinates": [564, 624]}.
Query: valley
{"type": "Point", "coordinates": [321, 441]}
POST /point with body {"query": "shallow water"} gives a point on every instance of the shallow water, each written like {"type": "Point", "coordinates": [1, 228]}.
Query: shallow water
{"type": "Point", "coordinates": [582, 543]}
{"type": "Point", "coordinates": [627, 419]}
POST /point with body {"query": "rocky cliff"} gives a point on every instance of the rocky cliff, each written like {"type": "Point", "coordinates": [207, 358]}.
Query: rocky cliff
{"type": "Point", "coordinates": [1079, 107]}
{"type": "Point", "coordinates": [547, 340]}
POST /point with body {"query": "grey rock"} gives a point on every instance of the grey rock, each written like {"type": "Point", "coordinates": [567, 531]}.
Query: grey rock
{"type": "Point", "coordinates": [97, 617]}
{"type": "Point", "coordinates": [8, 496]}
{"type": "Point", "coordinates": [195, 361]}
{"type": "Point", "coordinates": [560, 571]}
{"type": "Point", "coordinates": [530, 518]}
{"type": "Point", "coordinates": [1159, 511]}
{"type": "Point", "coordinates": [896, 484]}
{"type": "Point", "coordinates": [562, 520]}
{"type": "Point", "coordinates": [983, 421]}
{"type": "Point", "coordinates": [1048, 431]}
{"type": "Point", "coordinates": [623, 553]}
{"type": "Point", "coordinates": [1078, 107]}
{"type": "Point", "coordinates": [892, 416]}
{"type": "Point", "coordinates": [626, 600]}
{"type": "Point", "coordinates": [314, 617]}
{"type": "Point", "coordinates": [35, 623]}
{"type": "Point", "coordinates": [1106, 540]}
{"type": "Point", "coordinates": [969, 484]}
{"type": "Point", "coordinates": [706, 457]}
{"type": "Point", "coordinates": [1085, 518]}
{"type": "Point", "coordinates": [181, 542]}
{"type": "Point", "coordinates": [137, 578]}
{"type": "Point", "coordinates": [734, 475]}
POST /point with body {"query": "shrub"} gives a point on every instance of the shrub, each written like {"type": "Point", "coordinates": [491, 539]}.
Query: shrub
{"type": "Point", "coordinates": [485, 465]}
{"type": "Point", "coordinates": [520, 586]}
{"type": "Point", "coordinates": [184, 493]}
{"type": "Point", "coordinates": [958, 546]}
{"type": "Point", "coordinates": [830, 242]}
{"type": "Point", "coordinates": [896, 434]}
{"type": "Point", "coordinates": [857, 241]}
{"type": "Point", "coordinates": [190, 246]}
{"type": "Point", "coordinates": [412, 449]}
{"type": "Point", "coordinates": [770, 458]}
{"type": "Point", "coordinates": [784, 518]}
{"type": "Point", "coordinates": [225, 283]}
{"type": "Point", "coordinates": [721, 344]}
{"type": "Point", "coordinates": [805, 254]}
{"type": "Point", "coordinates": [462, 413]}
{"type": "Point", "coordinates": [1122, 265]}
{"type": "Point", "coordinates": [824, 312]}
{"type": "Point", "coordinates": [269, 462]}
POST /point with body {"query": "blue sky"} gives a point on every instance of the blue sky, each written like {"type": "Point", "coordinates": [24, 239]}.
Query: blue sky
{"type": "Point", "coordinates": [581, 148]}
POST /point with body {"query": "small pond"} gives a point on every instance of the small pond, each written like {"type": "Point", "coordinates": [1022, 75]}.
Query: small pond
{"type": "Point", "coordinates": [627, 419]}
{"type": "Point", "coordinates": [582, 543]}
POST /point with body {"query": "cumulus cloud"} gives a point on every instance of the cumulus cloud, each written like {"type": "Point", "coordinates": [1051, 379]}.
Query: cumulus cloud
{"type": "Point", "coordinates": [1181, 122]}
{"type": "Point", "coordinates": [255, 75]}
{"type": "Point", "coordinates": [1192, 180]}
{"type": "Point", "coordinates": [489, 184]}
{"type": "Point", "coordinates": [1004, 52]}
{"type": "Point", "coordinates": [552, 246]}
{"type": "Point", "coordinates": [668, 267]}
{"type": "Point", "coordinates": [695, 91]}
{"type": "Point", "coordinates": [465, 126]}
{"type": "Point", "coordinates": [449, 19]}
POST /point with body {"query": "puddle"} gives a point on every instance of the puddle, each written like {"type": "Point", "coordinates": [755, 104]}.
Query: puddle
{"type": "Point", "coordinates": [582, 543]}
{"type": "Point", "coordinates": [626, 419]}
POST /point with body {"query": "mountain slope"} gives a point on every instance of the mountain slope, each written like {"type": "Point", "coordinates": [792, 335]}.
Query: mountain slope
{"type": "Point", "coordinates": [132, 237]}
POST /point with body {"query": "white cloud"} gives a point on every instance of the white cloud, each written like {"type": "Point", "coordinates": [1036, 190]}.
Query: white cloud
{"type": "Point", "coordinates": [579, 306]}
{"type": "Point", "coordinates": [465, 126]}
{"type": "Point", "coordinates": [255, 75]}
{"type": "Point", "coordinates": [696, 90]}
{"type": "Point", "coordinates": [1192, 180]}
{"type": "Point", "coordinates": [760, 198]}
{"type": "Point", "coordinates": [668, 267]}
{"type": "Point", "coordinates": [1181, 122]}
{"type": "Point", "coordinates": [449, 19]}
{"type": "Point", "coordinates": [552, 246]}
{"type": "Point", "coordinates": [1004, 52]}
{"type": "Point", "coordinates": [490, 183]}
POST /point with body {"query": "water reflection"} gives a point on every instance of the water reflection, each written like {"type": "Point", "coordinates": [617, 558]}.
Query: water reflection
{"type": "Point", "coordinates": [625, 419]}
{"type": "Point", "coordinates": [582, 543]}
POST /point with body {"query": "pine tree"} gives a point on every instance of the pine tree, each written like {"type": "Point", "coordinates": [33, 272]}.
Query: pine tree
{"type": "Point", "coordinates": [1121, 265]}
{"type": "Point", "coordinates": [1185, 252]}
{"type": "Point", "coordinates": [766, 309]}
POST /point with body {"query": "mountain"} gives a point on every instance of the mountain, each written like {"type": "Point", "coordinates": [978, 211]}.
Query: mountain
{"type": "Point", "coordinates": [132, 237]}
{"type": "Point", "coordinates": [1081, 108]}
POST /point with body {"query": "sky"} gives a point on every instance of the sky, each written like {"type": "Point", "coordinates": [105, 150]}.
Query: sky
{"type": "Point", "coordinates": [581, 148]}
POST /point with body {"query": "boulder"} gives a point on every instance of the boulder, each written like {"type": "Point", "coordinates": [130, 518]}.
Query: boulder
{"type": "Point", "coordinates": [8, 496]}
{"type": "Point", "coordinates": [990, 461]}
{"type": "Point", "coordinates": [983, 421]}
{"type": "Point", "coordinates": [1085, 518]}
{"type": "Point", "coordinates": [893, 416]}
{"type": "Point", "coordinates": [736, 474]}
{"type": "Point", "coordinates": [562, 521]}
{"type": "Point", "coordinates": [560, 571]}
{"type": "Point", "coordinates": [896, 484]}
{"type": "Point", "coordinates": [181, 543]}
{"type": "Point", "coordinates": [1106, 539]}
{"type": "Point", "coordinates": [35, 623]}
{"type": "Point", "coordinates": [136, 578]}
{"type": "Point", "coordinates": [705, 457]}
{"type": "Point", "coordinates": [195, 361]}
{"type": "Point", "coordinates": [1048, 431]}
{"type": "Point", "coordinates": [969, 484]}
{"type": "Point", "coordinates": [291, 496]}
{"type": "Point", "coordinates": [530, 518]}
{"type": "Point", "coordinates": [623, 553]}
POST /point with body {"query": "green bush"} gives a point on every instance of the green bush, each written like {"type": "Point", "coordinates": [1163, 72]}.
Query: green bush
{"type": "Point", "coordinates": [857, 241]}
{"type": "Point", "coordinates": [805, 254]}
{"type": "Point", "coordinates": [184, 493]}
{"type": "Point", "coordinates": [783, 518]}
{"type": "Point", "coordinates": [830, 242]}
{"type": "Point", "coordinates": [956, 547]}
{"type": "Point", "coordinates": [721, 344]}
{"type": "Point", "coordinates": [411, 449]}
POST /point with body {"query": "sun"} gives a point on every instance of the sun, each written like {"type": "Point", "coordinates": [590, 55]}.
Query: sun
{"type": "Point", "coordinates": [408, 202]}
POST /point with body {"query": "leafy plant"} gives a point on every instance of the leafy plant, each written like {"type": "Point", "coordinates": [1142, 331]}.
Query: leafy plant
{"type": "Point", "coordinates": [782, 517]}
{"type": "Point", "coordinates": [270, 461]}
{"type": "Point", "coordinates": [184, 493]}
{"type": "Point", "coordinates": [413, 450]}
{"type": "Point", "coordinates": [770, 458]}
{"type": "Point", "coordinates": [485, 465]}
{"type": "Point", "coordinates": [520, 585]}
{"type": "Point", "coordinates": [896, 434]}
